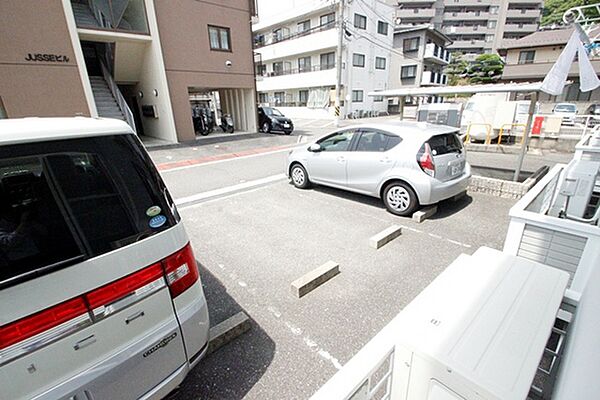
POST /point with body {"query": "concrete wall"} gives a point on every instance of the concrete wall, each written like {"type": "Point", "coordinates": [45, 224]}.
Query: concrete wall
{"type": "Point", "coordinates": [189, 61]}
{"type": "Point", "coordinates": [52, 87]}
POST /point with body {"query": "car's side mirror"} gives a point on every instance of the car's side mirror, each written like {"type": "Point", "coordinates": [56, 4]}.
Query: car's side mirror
{"type": "Point", "coordinates": [315, 148]}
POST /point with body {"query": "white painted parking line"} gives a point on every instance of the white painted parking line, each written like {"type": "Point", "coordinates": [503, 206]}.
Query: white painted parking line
{"type": "Point", "coordinates": [327, 124]}
{"type": "Point", "coordinates": [182, 202]}
{"type": "Point", "coordinates": [226, 160]}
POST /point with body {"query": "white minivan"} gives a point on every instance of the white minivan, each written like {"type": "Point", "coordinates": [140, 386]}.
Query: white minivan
{"type": "Point", "coordinates": [100, 294]}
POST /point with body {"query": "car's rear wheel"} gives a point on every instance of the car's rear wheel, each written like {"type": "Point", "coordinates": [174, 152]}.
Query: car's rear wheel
{"type": "Point", "coordinates": [266, 127]}
{"type": "Point", "coordinates": [400, 199]}
{"type": "Point", "coordinates": [299, 176]}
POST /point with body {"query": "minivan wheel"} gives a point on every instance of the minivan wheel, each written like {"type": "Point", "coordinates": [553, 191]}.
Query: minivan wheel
{"type": "Point", "coordinates": [266, 127]}
{"type": "Point", "coordinates": [400, 199]}
{"type": "Point", "coordinates": [299, 177]}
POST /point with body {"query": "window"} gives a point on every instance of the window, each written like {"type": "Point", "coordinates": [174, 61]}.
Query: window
{"type": "Point", "coordinates": [380, 63]}
{"type": "Point", "coordinates": [382, 28]}
{"type": "Point", "coordinates": [261, 69]}
{"type": "Point", "coordinates": [360, 21]}
{"type": "Point", "coordinates": [277, 35]}
{"type": "Point", "coordinates": [358, 60]}
{"type": "Point", "coordinates": [491, 24]}
{"type": "Point", "coordinates": [408, 71]}
{"type": "Point", "coordinates": [278, 68]}
{"type": "Point", "coordinates": [105, 185]}
{"type": "Point", "coordinates": [304, 64]}
{"type": "Point", "coordinates": [339, 141]}
{"type": "Point", "coordinates": [219, 38]}
{"type": "Point", "coordinates": [489, 38]}
{"type": "Point", "coordinates": [357, 96]}
{"type": "Point", "coordinates": [2, 110]}
{"type": "Point", "coordinates": [377, 99]}
{"type": "Point", "coordinates": [263, 97]}
{"type": "Point", "coordinates": [302, 97]}
{"type": "Point", "coordinates": [279, 97]}
{"type": "Point", "coordinates": [444, 144]}
{"type": "Point", "coordinates": [494, 10]}
{"type": "Point", "coordinates": [371, 140]}
{"type": "Point", "coordinates": [526, 57]}
{"type": "Point", "coordinates": [327, 19]}
{"type": "Point", "coordinates": [303, 26]}
{"type": "Point", "coordinates": [410, 44]}
{"type": "Point", "coordinates": [327, 61]}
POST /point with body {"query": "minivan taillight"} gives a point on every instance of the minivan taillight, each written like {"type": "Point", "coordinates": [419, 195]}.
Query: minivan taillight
{"type": "Point", "coordinates": [181, 270]}
{"type": "Point", "coordinates": [425, 160]}
{"type": "Point", "coordinates": [42, 321]}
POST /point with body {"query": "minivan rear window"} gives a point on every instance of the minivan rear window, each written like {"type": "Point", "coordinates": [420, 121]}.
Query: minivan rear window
{"type": "Point", "coordinates": [62, 202]}
{"type": "Point", "coordinates": [444, 144]}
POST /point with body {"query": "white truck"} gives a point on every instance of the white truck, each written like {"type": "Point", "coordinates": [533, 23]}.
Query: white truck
{"type": "Point", "coordinates": [485, 114]}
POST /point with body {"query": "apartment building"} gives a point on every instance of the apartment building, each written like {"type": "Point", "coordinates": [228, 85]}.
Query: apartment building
{"type": "Point", "coordinates": [474, 26]}
{"type": "Point", "coordinates": [137, 60]}
{"type": "Point", "coordinates": [419, 60]}
{"type": "Point", "coordinates": [529, 59]}
{"type": "Point", "coordinates": [296, 44]}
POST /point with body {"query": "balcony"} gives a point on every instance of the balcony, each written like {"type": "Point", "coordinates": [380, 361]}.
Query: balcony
{"type": "Point", "coordinates": [412, 13]}
{"type": "Point", "coordinates": [434, 79]}
{"type": "Point", "coordinates": [453, 3]}
{"type": "Point", "coordinates": [126, 16]}
{"type": "Point", "coordinates": [458, 30]}
{"type": "Point", "coordinates": [530, 14]}
{"type": "Point", "coordinates": [316, 42]}
{"type": "Point", "coordinates": [272, 38]}
{"type": "Point", "coordinates": [470, 44]}
{"type": "Point", "coordinates": [466, 16]}
{"type": "Point", "coordinates": [315, 76]}
{"type": "Point", "coordinates": [520, 28]}
{"type": "Point", "coordinates": [437, 54]}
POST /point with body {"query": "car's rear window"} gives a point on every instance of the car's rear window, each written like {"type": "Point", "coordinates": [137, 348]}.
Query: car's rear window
{"type": "Point", "coordinates": [62, 202]}
{"type": "Point", "coordinates": [444, 144]}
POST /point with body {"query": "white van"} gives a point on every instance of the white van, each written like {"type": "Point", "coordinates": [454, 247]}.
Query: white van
{"type": "Point", "coordinates": [100, 295]}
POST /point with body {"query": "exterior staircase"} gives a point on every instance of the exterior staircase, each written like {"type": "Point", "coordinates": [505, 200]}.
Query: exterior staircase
{"type": "Point", "coordinates": [105, 102]}
{"type": "Point", "coordinates": [83, 15]}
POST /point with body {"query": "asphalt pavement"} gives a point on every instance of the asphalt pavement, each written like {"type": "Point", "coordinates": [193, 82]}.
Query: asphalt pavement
{"type": "Point", "coordinates": [254, 233]}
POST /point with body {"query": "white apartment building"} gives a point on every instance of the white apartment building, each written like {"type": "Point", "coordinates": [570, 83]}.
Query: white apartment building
{"type": "Point", "coordinates": [295, 52]}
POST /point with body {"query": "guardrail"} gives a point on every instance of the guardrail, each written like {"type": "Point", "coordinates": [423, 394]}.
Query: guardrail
{"type": "Point", "coordinates": [502, 132]}
{"type": "Point", "coordinates": [272, 39]}
{"type": "Point", "coordinates": [487, 126]}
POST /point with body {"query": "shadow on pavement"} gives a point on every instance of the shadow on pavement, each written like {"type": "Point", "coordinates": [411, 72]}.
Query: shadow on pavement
{"type": "Point", "coordinates": [231, 371]}
{"type": "Point", "coordinates": [446, 208]}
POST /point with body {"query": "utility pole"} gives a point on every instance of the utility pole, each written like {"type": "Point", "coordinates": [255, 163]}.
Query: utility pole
{"type": "Point", "coordinates": [338, 83]}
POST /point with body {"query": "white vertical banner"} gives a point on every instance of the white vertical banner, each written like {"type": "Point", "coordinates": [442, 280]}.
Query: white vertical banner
{"type": "Point", "coordinates": [555, 81]}
{"type": "Point", "coordinates": [588, 80]}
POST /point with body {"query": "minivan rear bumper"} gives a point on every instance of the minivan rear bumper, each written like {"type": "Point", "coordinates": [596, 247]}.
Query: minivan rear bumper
{"type": "Point", "coordinates": [439, 191]}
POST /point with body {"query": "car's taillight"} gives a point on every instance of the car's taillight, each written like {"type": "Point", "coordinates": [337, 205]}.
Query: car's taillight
{"type": "Point", "coordinates": [425, 160]}
{"type": "Point", "coordinates": [33, 324]}
{"type": "Point", "coordinates": [181, 270]}
{"type": "Point", "coordinates": [123, 287]}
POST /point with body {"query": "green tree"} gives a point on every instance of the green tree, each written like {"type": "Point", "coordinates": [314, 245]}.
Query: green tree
{"type": "Point", "coordinates": [487, 68]}
{"type": "Point", "coordinates": [554, 9]}
{"type": "Point", "coordinates": [457, 70]}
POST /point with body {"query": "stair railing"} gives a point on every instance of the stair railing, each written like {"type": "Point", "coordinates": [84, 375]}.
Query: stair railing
{"type": "Point", "coordinates": [118, 96]}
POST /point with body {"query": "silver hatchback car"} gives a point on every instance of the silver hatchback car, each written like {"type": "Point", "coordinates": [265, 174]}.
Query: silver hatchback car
{"type": "Point", "coordinates": [406, 164]}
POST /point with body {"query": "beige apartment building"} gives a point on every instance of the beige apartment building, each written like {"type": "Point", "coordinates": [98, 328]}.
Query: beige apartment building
{"type": "Point", "coordinates": [529, 59]}
{"type": "Point", "coordinates": [474, 26]}
{"type": "Point", "coordinates": [142, 61]}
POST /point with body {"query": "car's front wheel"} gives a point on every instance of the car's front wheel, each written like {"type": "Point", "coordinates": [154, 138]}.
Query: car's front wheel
{"type": "Point", "coordinates": [299, 176]}
{"type": "Point", "coordinates": [266, 127]}
{"type": "Point", "coordinates": [400, 199]}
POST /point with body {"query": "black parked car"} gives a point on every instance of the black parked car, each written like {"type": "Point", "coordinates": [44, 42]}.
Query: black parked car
{"type": "Point", "coordinates": [271, 119]}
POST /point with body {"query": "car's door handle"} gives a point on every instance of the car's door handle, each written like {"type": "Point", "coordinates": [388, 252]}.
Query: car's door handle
{"type": "Point", "coordinates": [341, 159]}
{"type": "Point", "coordinates": [385, 160]}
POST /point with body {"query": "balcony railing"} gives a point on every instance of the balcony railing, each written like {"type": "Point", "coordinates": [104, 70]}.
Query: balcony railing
{"type": "Point", "coordinates": [434, 78]}
{"type": "Point", "coordinates": [439, 53]}
{"type": "Point", "coordinates": [294, 71]}
{"type": "Point", "coordinates": [268, 39]}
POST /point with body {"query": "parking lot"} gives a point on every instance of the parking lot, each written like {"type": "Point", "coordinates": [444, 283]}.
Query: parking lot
{"type": "Point", "coordinates": [254, 234]}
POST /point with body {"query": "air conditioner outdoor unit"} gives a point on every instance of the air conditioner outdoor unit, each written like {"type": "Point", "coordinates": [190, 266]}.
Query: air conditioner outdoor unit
{"type": "Point", "coordinates": [577, 188]}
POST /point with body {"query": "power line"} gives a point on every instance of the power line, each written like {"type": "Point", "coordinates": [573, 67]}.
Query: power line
{"type": "Point", "coordinates": [374, 11]}
{"type": "Point", "coordinates": [380, 44]}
